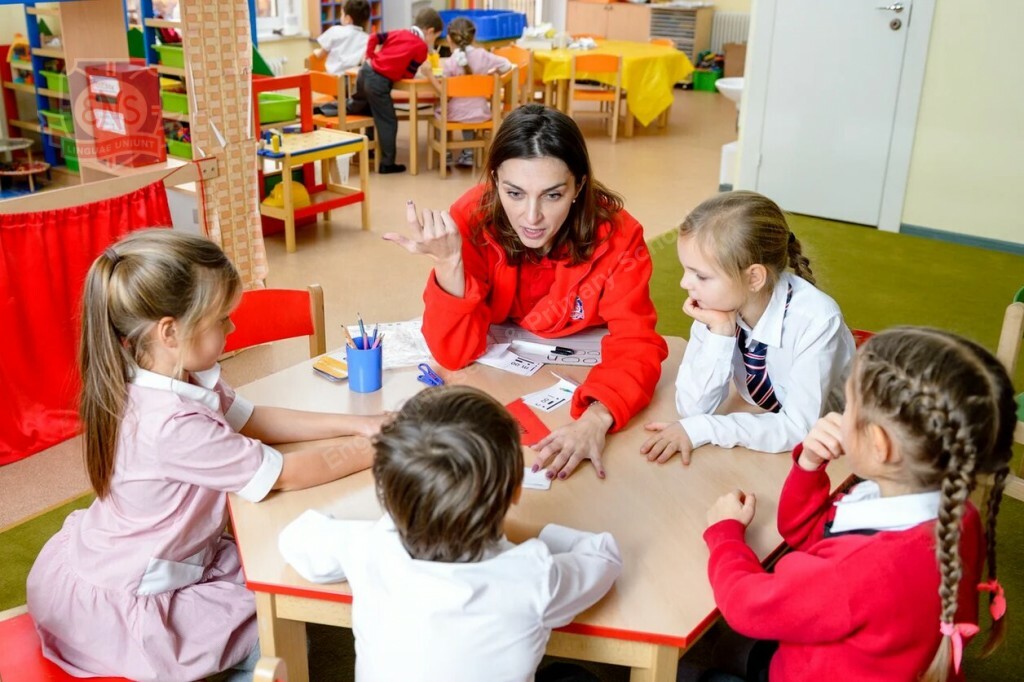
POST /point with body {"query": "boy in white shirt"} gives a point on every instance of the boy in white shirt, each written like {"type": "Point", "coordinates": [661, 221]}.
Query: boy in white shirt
{"type": "Point", "coordinates": [345, 43]}
{"type": "Point", "coordinates": [435, 578]}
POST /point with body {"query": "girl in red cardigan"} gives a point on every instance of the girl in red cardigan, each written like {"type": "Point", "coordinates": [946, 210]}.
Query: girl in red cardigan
{"type": "Point", "coordinates": [884, 580]}
{"type": "Point", "coordinates": [545, 245]}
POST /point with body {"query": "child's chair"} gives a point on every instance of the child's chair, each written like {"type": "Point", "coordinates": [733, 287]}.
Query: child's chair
{"type": "Point", "coordinates": [522, 58]}
{"type": "Point", "coordinates": [266, 315]}
{"type": "Point", "coordinates": [270, 669]}
{"type": "Point", "coordinates": [336, 89]}
{"type": "Point", "coordinates": [608, 97]}
{"type": "Point", "coordinates": [439, 127]}
{"type": "Point", "coordinates": [22, 659]}
{"type": "Point", "coordinates": [1008, 353]}
{"type": "Point", "coordinates": [314, 63]}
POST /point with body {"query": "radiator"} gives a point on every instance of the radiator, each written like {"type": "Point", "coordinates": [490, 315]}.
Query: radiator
{"type": "Point", "coordinates": [276, 64]}
{"type": "Point", "coordinates": [729, 27]}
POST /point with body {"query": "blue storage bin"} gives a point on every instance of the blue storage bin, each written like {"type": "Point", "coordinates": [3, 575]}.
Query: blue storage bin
{"type": "Point", "coordinates": [491, 24]}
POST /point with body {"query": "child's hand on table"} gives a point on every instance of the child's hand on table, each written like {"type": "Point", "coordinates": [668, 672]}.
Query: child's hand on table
{"type": "Point", "coordinates": [721, 322]}
{"type": "Point", "coordinates": [370, 425]}
{"type": "Point", "coordinates": [823, 443]}
{"type": "Point", "coordinates": [670, 438]}
{"type": "Point", "coordinates": [736, 505]}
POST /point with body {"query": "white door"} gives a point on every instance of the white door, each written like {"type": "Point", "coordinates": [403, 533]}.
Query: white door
{"type": "Point", "coordinates": [833, 80]}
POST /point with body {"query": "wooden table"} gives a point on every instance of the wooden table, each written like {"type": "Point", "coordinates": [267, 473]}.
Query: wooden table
{"type": "Point", "coordinates": [25, 170]}
{"type": "Point", "coordinates": [659, 607]}
{"type": "Point", "coordinates": [322, 145]}
{"type": "Point", "coordinates": [649, 73]}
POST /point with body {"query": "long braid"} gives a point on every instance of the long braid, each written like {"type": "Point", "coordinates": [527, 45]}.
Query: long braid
{"type": "Point", "coordinates": [800, 263]}
{"type": "Point", "coordinates": [949, 404]}
{"type": "Point", "coordinates": [995, 497]}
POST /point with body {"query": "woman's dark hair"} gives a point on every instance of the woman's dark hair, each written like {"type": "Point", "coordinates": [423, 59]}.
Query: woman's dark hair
{"type": "Point", "coordinates": [534, 131]}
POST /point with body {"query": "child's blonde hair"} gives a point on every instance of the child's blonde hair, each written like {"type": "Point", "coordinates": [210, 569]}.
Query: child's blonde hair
{"type": "Point", "coordinates": [462, 33]}
{"type": "Point", "coordinates": [447, 469]}
{"type": "Point", "coordinates": [739, 229]}
{"type": "Point", "coordinates": [949, 405]}
{"type": "Point", "coordinates": [146, 276]}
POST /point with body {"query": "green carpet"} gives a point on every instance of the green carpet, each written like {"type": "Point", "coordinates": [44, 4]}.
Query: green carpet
{"type": "Point", "coordinates": [879, 280]}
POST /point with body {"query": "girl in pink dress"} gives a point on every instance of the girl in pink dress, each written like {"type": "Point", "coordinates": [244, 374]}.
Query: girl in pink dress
{"type": "Point", "coordinates": [465, 60]}
{"type": "Point", "coordinates": [144, 583]}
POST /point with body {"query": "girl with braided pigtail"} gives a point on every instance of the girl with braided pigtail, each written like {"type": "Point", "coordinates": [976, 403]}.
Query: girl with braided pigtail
{"type": "Point", "coordinates": [928, 413]}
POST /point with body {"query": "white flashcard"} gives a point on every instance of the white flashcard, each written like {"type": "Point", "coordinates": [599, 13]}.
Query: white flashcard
{"type": "Point", "coordinates": [552, 397]}
{"type": "Point", "coordinates": [536, 480]}
{"type": "Point", "coordinates": [500, 357]}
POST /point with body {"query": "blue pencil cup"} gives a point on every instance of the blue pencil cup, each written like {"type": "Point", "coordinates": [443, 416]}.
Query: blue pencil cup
{"type": "Point", "coordinates": [365, 367]}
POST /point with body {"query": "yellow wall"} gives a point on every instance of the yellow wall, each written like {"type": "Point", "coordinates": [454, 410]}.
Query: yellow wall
{"type": "Point", "coordinates": [965, 172]}
{"type": "Point", "coordinates": [732, 5]}
{"type": "Point", "coordinates": [12, 20]}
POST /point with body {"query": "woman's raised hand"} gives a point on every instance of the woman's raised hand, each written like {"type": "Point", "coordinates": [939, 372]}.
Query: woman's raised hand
{"type": "Point", "coordinates": [435, 234]}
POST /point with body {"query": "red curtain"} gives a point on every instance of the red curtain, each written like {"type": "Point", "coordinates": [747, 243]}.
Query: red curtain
{"type": "Point", "coordinates": [44, 257]}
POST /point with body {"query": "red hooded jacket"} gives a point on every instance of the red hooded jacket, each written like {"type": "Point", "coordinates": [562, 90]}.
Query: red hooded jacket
{"type": "Point", "coordinates": [612, 289]}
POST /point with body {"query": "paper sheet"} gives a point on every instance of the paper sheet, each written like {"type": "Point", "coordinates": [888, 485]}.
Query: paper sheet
{"type": "Point", "coordinates": [536, 480]}
{"type": "Point", "coordinates": [501, 357]}
{"type": "Point", "coordinates": [404, 345]}
{"type": "Point", "coordinates": [531, 429]}
{"type": "Point", "coordinates": [587, 344]}
{"type": "Point", "coordinates": [552, 397]}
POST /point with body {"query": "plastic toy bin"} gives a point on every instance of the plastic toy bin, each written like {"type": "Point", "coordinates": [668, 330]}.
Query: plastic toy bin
{"type": "Point", "coordinates": [275, 107]}
{"type": "Point", "coordinates": [179, 148]}
{"type": "Point", "coordinates": [174, 102]}
{"type": "Point", "coordinates": [171, 55]}
{"type": "Point", "coordinates": [70, 151]}
{"type": "Point", "coordinates": [56, 81]}
{"type": "Point", "coordinates": [491, 24]}
{"type": "Point", "coordinates": [59, 120]}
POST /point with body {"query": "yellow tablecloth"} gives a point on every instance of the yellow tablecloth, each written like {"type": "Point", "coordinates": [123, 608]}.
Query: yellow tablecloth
{"type": "Point", "coordinates": [648, 72]}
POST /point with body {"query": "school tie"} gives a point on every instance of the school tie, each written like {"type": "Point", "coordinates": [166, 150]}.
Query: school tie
{"type": "Point", "coordinates": [759, 384]}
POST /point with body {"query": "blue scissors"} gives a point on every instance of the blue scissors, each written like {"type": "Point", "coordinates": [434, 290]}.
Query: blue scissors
{"type": "Point", "coordinates": [429, 376]}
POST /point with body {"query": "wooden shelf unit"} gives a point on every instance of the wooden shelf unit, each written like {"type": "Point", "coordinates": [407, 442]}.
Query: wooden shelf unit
{"type": "Point", "coordinates": [326, 13]}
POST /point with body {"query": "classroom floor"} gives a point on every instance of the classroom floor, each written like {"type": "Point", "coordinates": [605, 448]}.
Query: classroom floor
{"type": "Point", "coordinates": [662, 174]}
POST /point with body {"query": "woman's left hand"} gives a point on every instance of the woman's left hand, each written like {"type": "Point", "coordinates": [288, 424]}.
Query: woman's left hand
{"type": "Point", "coordinates": [562, 450]}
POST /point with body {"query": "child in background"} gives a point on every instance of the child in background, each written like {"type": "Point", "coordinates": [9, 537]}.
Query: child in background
{"type": "Point", "coordinates": [769, 333]}
{"type": "Point", "coordinates": [148, 563]}
{"type": "Point", "coordinates": [345, 44]}
{"type": "Point", "coordinates": [862, 596]}
{"type": "Point", "coordinates": [464, 60]}
{"type": "Point", "coordinates": [392, 56]}
{"type": "Point", "coordinates": [435, 578]}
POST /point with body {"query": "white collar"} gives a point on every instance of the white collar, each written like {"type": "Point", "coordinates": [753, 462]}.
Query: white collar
{"type": "Point", "coordinates": [768, 329]}
{"type": "Point", "coordinates": [201, 391]}
{"type": "Point", "coordinates": [863, 508]}
{"type": "Point", "coordinates": [419, 31]}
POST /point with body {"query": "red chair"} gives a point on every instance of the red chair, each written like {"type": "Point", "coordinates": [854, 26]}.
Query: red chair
{"type": "Point", "coordinates": [22, 659]}
{"type": "Point", "coordinates": [266, 315]}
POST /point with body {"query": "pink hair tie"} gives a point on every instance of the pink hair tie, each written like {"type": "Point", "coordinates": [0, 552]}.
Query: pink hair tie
{"type": "Point", "coordinates": [957, 632]}
{"type": "Point", "coordinates": [998, 606]}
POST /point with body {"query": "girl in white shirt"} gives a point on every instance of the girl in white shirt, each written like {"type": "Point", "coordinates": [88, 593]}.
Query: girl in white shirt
{"type": "Point", "coordinates": [767, 334]}
{"type": "Point", "coordinates": [435, 578]}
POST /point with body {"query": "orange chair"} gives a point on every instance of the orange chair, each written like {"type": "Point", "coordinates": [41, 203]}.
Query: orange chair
{"type": "Point", "coordinates": [336, 88]}
{"type": "Point", "coordinates": [526, 88]}
{"type": "Point", "coordinates": [439, 127]}
{"type": "Point", "coordinates": [314, 63]}
{"type": "Point", "coordinates": [23, 661]}
{"type": "Point", "coordinates": [608, 97]}
{"type": "Point", "coordinates": [266, 315]}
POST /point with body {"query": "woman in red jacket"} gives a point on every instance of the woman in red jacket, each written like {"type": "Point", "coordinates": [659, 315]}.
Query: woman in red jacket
{"type": "Point", "coordinates": [543, 244]}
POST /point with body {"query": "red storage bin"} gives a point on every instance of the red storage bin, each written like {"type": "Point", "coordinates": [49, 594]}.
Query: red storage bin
{"type": "Point", "coordinates": [124, 101]}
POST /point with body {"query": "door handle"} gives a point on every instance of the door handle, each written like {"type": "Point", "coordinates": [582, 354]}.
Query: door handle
{"type": "Point", "coordinates": [896, 7]}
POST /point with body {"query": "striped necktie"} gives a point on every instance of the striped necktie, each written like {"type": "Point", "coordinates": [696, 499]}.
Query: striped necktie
{"type": "Point", "coordinates": [759, 384]}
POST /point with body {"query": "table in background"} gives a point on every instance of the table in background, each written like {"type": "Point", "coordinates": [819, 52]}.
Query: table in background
{"type": "Point", "coordinates": [649, 74]}
{"type": "Point", "coordinates": [324, 145]}
{"type": "Point", "coordinates": [28, 170]}
{"type": "Point", "coordinates": [660, 605]}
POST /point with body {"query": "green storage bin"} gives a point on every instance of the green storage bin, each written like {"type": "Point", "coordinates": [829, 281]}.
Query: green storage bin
{"type": "Point", "coordinates": [176, 102]}
{"type": "Point", "coordinates": [56, 81]}
{"type": "Point", "coordinates": [180, 149]}
{"type": "Point", "coordinates": [59, 120]}
{"type": "Point", "coordinates": [171, 55]}
{"type": "Point", "coordinates": [705, 80]}
{"type": "Point", "coordinates": [275, 108]}
{"type": "Point", "coordinates": [69, 150]}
